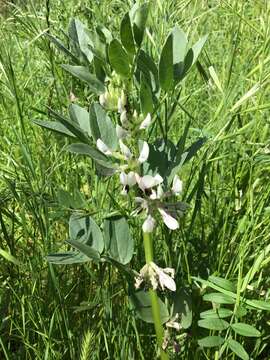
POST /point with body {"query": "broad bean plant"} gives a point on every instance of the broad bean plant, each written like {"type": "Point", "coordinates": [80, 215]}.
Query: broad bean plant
{"type": "Point", "coordinates": [125, 132]}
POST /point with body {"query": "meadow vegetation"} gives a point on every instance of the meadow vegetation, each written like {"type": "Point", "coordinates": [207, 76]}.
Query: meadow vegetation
{"type": "Point", "coordinates": [82, 311]}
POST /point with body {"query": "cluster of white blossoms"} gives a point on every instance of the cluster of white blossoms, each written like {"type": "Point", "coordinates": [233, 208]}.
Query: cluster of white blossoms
{"type": "Point", "coordinates": [152, 201]}
{"type": "Point", "coordinates": [156, 277]}
{"type": "Point", "coordinates": [153, 197]}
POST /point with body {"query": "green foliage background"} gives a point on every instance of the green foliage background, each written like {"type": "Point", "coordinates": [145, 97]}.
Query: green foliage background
{"type": "Point", "coordinates": [48, 312]}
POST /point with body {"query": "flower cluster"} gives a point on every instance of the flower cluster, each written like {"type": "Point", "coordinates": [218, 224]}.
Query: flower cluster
{"type": "Point", "coordinates": [156, 277]}
{"type": "Point", "coordinates": [150, 187]}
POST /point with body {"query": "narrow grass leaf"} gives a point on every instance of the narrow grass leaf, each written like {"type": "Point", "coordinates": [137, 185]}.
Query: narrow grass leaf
{"type": "Point", "coordinates": [6, 255]}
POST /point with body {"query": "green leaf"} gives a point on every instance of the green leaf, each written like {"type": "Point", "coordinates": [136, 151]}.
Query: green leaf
{"type": "Point", "coordinates": [223, 283]}
{"type": "Point", "coordinates": [126, 35]}
{"type": "Point", "coordinates": [259, 304]}
{"type": "Point", "coordinates": [118, 240]}
{"type": "Point", "coordinates": [102, 126]}
{"type": "Point", "coordinates": [182, 305]}
{"type": "Point", "coordinates": [219, 298]}
{"type": "Point", "coordinates": [166, 76]}
{"type": "Point", "coordinates": [211, 341]}
{"type": "Point", "coordinates": [61, 47]}
{"type": "Point", "coordinates": [142, 304]}
{"type": "Point", "coordinates": [216, 313]}
{"type": "Point", "coordinates": [179, 52]}
{"type": "Point", "coordinates": [91, 253]}
{"type": "Point", "coordinates": [6, 255]}
{"type": "Point", "coordinates": [238, 349]}
{"type": "Point", "coordinates": [213, 324]}
{"type": "Point", "coordinates": [67, 258]}
{"type": "Point", "coordinates": [71, 126]}
{"type": "Point", "coordinates": [99, 157]}
{"type": "Point", "coordinates": [78, 34]}
{"type": "Point", "coordinates": [85, 230]}
{"type": "Point", "coordinates": [193, 54]}
{"type": "Point", "coordinates": [146, 65]}
{"type": "Point", "coordinates": [146, 97]}
{"type": "Point", "coordinates": [119, 58]}
{"type": "Point", "coordinates": [197, 48]}
{"type": "Point", "coordinates": [54, 126]}
{"type": "Point", "coordinates": [64, 198]}
{"type": "Point", "coordinates": [82, 73]}
{"type": "Point", "coordinates": [81, 117]}
{"type": "Point", "coordinates": [139, 16]}
{"type": "Point", "coordinates": [253, 270]}
{"type": "Point", "coordinates": [245, 330]}
{"type": "Point", "coordinates": [194, 148]}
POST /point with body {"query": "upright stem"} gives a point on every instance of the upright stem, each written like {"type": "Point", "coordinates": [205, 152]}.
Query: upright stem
{"type": "Point", "coordinates": [148, 251]}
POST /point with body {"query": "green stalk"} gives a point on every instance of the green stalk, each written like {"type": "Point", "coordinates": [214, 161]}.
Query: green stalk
{"type": "Point", "coordinates": [148, 251]}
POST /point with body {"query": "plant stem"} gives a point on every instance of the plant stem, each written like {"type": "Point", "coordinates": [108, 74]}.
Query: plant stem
{"type": "Point", "coordinates": [148, 251]}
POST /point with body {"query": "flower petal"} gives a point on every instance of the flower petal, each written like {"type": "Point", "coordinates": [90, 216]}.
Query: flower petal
{"type": "Point", "coordinates": [146, 182]}
{"type": "Point", "coordinates": [169, 221]}
{"type": "Point", "coordinates": [120, 132]}
{"type": "Point", "coordinates": [146, 122]}
{"type": "Point", "coordinates": [103, 147]}
{"type": "Point", "coordinates": [102, 100]}
{"type": "Point", "coordinates": [166, 281]}
{"type": "Point", "coordinates": [144, 153]}
{"type": "Point", "coordinates": [123, 178]}
{"type": "Point", "coordinates": [124, 118]}
{"type": "Point", "coordinates": [177, 185]}
{"type": "Point", "coordinates": [125, 150]}
{"type": "Point", "coordinates": [149, 224]}
{"type": "Point", "coordinates": [131, 178]}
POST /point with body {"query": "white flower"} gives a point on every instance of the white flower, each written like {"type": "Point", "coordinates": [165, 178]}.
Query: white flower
{"type": "Point", "coordinates": [177, 185]}
{"type": "Point", "coordinates": [103, 99]}
{"type": "Point", "coordinates": [149, 223]}
{"type": "Point", "coordinates": [146, 122]}
{"type": "Point", "coordinates": [121, 133]}
{"type": "Point", "coordinates": [168, 220]}
{"type": "Point", "coordinates": [156, 277]}
{"type": "Point", "coordinates": [103, 147]}
{"type": "Point", "coordinates": [125, 150]}
{"type": "Point", "coordinates": [124, 118]}
{"type": "Point", "coordinates": [121, 103]}
{"type": "Point", "coordinates": [148, 181]}
{"type": "Point", "coordinates": [127, 180]}
{"type": "Point", "coordinates": [165, 277]}
{"type": "Point", "coordinates": [144, 153]}
{"type": "Point", "coordinates": [173, 323]}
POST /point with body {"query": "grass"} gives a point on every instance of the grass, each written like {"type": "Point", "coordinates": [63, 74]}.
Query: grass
{"type": "Point", "coordinates": [227, 184]}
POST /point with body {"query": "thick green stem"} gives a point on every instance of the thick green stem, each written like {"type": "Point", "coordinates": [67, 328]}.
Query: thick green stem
{"type": "Point", "coordinates": [148, 250]}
